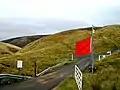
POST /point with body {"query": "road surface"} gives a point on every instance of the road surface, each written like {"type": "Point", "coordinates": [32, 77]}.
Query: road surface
{"type": "Point", "coordinates": [49, 81]}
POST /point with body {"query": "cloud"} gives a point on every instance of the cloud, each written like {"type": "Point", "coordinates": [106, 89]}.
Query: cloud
{"type": "Point", "coordinates": [26, 17]}
{"type": "Point", "coordinates": [15, 27]}
{"type": "Point", "coordinates": [62, 9]}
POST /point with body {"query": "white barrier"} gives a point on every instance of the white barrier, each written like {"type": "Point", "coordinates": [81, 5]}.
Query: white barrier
{"type": "Point", "coordinates": [51, 68]}
{"type": "Point", "coordinates": [78, 77]}
{"type": "Point", "coordinates": [104, 56]}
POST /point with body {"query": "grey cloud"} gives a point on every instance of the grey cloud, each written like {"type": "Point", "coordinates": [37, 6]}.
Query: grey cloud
{"type": "Point", "coordinates": [22, 27]}
{"type": "Point", "coordinates": [107, 16]}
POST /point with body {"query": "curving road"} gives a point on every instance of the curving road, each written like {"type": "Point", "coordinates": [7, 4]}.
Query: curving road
{"type": "Point", "coordinates": [49, 81]}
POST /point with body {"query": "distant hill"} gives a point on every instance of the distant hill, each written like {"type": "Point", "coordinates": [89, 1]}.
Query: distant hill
{"type": "Point", "coordinates": [6, 48]}
{"type": "Point", "coordinates": [22, 41]}
{"type": "Point", "coordinates": [56, 48]}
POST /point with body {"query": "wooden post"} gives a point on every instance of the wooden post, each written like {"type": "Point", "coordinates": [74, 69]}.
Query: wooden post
{"type": "Point", "coordinates": [35, 69]}
{"type": "Point", "coordinates": [20, 71]}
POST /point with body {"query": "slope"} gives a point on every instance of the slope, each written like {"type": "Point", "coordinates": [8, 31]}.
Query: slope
{"type": "Point", "coordinates": [22, 41]}
{"type": "Point", "coordinates": [47, 51]}
{"type": "Point", "coordinates": [107, 38]}
{"type": "Point", "coordinates": [57, 48]}
{"type": "Point", "coordinates": [107, 76]}
{"type": "Point", "coordinates": [6, 48]}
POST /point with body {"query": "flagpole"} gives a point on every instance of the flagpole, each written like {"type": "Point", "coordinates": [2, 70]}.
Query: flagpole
{"type": "Point", "coordinates": [92, 54]}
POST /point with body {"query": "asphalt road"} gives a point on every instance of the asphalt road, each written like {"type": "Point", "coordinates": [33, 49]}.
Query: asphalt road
{"type": "Point", "coordinates": [49, 81]}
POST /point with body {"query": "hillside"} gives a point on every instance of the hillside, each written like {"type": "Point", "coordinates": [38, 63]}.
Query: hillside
{"type": "Point", "coordinates": [53, 49]}
{"type": "Point", "coordinates": [6, 48]}
{"type": "Point", "coordinates": [107, 38]}
{"type": "Point", "coordinates": [107, 76]}
{"type": "Point", "coordinates": [47, 51]}
{"type": "Point", "coordinates": [22, 41]}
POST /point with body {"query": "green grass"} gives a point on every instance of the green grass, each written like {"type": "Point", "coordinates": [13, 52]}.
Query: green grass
{"type": "Point", "coordinates": [47, 51]}
{"type": "Point", "coordinates": [57, 48]}
{"type": "Point", "coordinates": [6, 48]}
{"type": "Point", "coordinates": [107, 76]}
{"type": "Point", "coordinates": [107, 38]}
{"type": "Point", "coordinates": [68, 84]}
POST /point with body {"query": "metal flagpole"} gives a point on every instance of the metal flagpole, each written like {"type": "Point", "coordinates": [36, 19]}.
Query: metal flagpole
{"type": "Point", "coordinates": [92, 54]}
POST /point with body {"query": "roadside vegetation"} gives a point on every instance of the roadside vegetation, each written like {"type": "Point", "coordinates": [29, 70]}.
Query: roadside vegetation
{"type": "Point", "coordinates": [106, 77]}
{"type": "Point", "coordinates": [68, 84]}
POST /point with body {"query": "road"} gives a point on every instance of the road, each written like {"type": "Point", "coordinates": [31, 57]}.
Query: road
{"type": "Point", "coordinates": [49, 81]}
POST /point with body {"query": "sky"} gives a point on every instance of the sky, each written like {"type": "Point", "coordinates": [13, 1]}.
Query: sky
{"type": "Point", "coordinates": [27, 17]}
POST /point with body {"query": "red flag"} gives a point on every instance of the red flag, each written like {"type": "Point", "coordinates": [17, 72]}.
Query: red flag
{"type": "Point", "coordinates": [83, 46]}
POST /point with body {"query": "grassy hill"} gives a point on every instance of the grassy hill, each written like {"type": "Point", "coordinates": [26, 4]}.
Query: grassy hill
{"type": "Point", "coordinates": [56, 48]}
{"type": "Point", "coordinates": [107, 38]}
{"type": "Point", "coordinates": [107, 76]}
{"type": "Point", "coordinates": [22, 41]}
{"type": "Point", "coordinates": [47, 51]}
{"type": "Point", "coordinates": [6, 48]}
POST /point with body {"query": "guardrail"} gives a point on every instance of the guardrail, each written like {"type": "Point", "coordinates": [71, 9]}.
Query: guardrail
{"type": "Point", "coordinates": [17, 76]}
{"type": "Point", "coordinates": [6, 79]}
{"type": "Point", "coordinates": [51, 68]}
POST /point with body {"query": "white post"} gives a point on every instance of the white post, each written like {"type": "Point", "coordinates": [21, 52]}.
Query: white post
{"type": "Point", "coordinates": [99, 57]}
{"type": "Point", "coordinates": [93, 30]}
{"type": "Point", "coordinates": [103, 56]}
{"type": "Point", "coordinates": [72, 57]}
{"type": "Point", "coordinates": [109, 52]}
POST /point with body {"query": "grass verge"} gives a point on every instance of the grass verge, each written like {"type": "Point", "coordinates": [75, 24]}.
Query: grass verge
{"type": "Point", "coordinates": [106, 77]}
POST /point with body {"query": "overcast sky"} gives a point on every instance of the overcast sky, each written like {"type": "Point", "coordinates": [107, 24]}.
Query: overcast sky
{"type": "Point", "coordinates": [49, 16]}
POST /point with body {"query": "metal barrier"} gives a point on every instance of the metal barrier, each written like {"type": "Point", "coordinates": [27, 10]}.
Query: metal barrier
{"type": "Point", "coordinates": [10, 78]}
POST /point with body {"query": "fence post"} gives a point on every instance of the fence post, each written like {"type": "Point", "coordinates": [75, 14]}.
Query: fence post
{"type": "Point", "coordinates": [35, 69]}
{"type": "Point", "coordinates": [99, 57]}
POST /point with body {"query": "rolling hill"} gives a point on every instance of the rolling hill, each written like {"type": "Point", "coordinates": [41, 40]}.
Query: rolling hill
{"type": "Point", "coordinates": [22, 41]}
{"type": "Point", "coordinates": [56, 48]}
{"type": "Point", "coordinates": [6, 48]}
